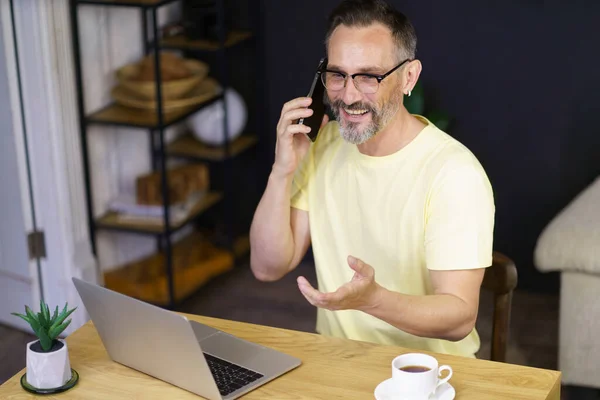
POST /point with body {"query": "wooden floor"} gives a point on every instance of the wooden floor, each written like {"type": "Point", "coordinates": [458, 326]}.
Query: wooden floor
{"type": "Point", "coordinates": [238, 296]}
{"type": "Point", "coordinates": [12, 351]}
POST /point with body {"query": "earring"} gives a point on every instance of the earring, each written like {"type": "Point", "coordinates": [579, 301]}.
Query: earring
{"type": "Point", "coordinates": [409, 93]}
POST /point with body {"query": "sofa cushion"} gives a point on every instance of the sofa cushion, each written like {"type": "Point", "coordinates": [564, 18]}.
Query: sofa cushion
{"type": "Point", "coordinates": [571, 241]}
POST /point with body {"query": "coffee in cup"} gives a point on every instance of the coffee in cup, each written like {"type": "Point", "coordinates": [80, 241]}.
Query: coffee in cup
{"type": "Point", "coordinates": [416, 376]}
{"type": "Point", "coordinates": [414, 368]}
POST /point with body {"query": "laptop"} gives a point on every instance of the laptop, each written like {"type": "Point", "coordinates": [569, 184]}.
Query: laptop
{"type": "Point", "coordinates": [168, 346]}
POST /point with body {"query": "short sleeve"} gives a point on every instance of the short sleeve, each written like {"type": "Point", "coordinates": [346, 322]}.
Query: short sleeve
{"type": "Point", "coordinates": [300, 182]}
{"type": "Point", "coordinates": [459, 226]}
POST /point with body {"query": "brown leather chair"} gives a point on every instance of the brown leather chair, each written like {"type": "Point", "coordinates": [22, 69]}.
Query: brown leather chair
{"type": "Point", "coordinates": [501, 280]}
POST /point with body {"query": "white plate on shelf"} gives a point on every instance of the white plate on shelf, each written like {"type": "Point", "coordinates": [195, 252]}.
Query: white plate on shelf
{"type": "Point", "coordinates": [385, 391]}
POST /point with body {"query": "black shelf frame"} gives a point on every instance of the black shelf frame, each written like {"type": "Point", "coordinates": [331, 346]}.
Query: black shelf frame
{"type": "Point", "coordinates": [158, 148]}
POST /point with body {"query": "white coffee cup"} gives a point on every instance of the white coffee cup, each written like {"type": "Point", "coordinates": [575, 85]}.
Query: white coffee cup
{"type": "Point", "coordinates": [420, 381]}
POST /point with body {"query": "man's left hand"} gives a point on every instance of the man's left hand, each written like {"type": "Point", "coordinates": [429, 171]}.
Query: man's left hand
{"type": "Point", "coordinates": [359, 294]}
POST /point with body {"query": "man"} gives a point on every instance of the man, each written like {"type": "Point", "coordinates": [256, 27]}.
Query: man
{"type": "Point", "coordinates": [400, 215]}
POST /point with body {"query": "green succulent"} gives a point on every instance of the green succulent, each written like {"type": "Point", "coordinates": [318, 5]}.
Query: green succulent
{"type": "Point", "coordinates": [47, 328]}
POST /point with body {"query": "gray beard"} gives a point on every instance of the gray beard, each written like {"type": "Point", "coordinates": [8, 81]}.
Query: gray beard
{"type": "Point", "coordinates": [352, 132]}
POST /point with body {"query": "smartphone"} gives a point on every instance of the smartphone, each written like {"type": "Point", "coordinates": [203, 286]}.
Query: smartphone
{"type": "Point", "coordinates": [316, 92]}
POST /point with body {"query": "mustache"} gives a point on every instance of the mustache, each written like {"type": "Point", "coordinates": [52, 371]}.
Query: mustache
{"type": "Point", "coordinates": [337, 104]}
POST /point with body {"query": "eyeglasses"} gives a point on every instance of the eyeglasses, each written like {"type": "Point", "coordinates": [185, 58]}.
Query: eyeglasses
{"type": "Point", "coordinates": [365, 83]}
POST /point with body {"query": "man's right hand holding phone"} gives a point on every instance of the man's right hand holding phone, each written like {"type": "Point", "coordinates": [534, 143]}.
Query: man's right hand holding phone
{"type": "Point", "coordinates": [279, 235]}
{"type": "Point", "coordinates": [292, 144]}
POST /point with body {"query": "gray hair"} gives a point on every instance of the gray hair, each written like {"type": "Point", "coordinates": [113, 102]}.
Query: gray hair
{"type": "Point", "coordinates": [362, 13]}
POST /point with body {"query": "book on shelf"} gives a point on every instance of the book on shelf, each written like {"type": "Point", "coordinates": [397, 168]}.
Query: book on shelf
{"type": "Point", "coordinates": [128, 210]}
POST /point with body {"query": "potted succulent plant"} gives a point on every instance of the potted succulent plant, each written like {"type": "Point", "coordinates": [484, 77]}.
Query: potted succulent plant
{"type": "Point", "coordinates": [47, 366]}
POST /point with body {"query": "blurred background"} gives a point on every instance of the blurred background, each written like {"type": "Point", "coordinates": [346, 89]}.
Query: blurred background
{"type": "Point", "coordinates": [517, 82]}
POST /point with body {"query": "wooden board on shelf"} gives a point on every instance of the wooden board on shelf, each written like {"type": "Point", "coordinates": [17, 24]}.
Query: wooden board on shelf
{"type": "Point", "coordinates": [126, 3]}
{"type": "Point", "coordinates": [195, 262]}
{"type": "Point", "coordinates": [116, 114]}
{"type": "Point", "coordinates": [184, 43]}
{"type": "Point", "coordinates": [111, 220]}
{"type": "Point", "coordinates": [190, 147]}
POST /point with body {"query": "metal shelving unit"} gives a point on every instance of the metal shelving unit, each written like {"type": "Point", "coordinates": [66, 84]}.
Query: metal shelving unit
{"type": "Point", "coordinates": [185, 147]}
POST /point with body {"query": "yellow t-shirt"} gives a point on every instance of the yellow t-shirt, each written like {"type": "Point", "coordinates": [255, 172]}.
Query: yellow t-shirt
{"type": "Point", "coordinates": [429, 206]}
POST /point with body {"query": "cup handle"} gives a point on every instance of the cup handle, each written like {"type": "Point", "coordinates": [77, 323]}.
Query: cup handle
{"type": "Point", "coordinates": [447, 378]}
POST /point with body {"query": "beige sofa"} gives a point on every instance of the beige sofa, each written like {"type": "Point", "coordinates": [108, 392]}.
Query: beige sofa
{"type": "Point", "coordinates": [571, 244]}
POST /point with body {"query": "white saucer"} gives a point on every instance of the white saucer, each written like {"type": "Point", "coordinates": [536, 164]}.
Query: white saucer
{"type": "Point", "coordinates": [385, 391]}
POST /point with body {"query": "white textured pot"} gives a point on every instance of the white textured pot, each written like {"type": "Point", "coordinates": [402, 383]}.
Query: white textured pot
{"type": "Point", "coordinates": [48, 370]}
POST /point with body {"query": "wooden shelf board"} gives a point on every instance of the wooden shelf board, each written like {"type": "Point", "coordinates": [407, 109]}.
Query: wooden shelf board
{"type": "Point", "coordinates": [183, 43]}
{"type": "Point", "coordinates": [126, 3]}
{"type": "Point", "coordinates": [189, 147]}
{"type": "Point", "coordinates": [116, 114]}
{"type": "Point", "coordinates": [195, 262]}
{"type": "Point", "coordinates": [111, 219]}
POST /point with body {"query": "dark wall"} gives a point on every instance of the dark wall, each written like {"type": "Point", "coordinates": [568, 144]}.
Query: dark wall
{"type": "Point", "coordinates": [521, 79]}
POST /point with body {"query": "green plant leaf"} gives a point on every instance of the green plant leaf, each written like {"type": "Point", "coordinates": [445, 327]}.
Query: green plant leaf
{"type": "Point", "coordinates": [35, 325]}
{"type": "Point", "coordinates": [61, 318]}
{"type": "Point", "coordinates": [31, 315]}
{"type": "Point", "coordinates": [22, 316]}
{"type": "Point", "coordinates": [42, 316]}
{"type": "Point", "coordinates": [42, 319]}
{"type": "Point", "coordinates": [45, 340]}
{"type": "Point", "coordinates": [46, 313]}
{"type": "Point", "coordinates": [45, 327]}
{"type": "Point", "coordinates": [54, 316]}
{"type": "Point", "coordinates": [39, 331]}
{"type": "Point", "coordinates": [54, 332]}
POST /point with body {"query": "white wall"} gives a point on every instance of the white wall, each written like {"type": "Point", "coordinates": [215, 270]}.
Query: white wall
{"type": "Point", "coordinates": [18, 282]}
{"type": "Point", "coordinates": [111, 37]}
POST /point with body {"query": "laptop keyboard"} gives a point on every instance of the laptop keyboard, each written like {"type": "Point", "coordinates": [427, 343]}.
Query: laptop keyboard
{"type": "Point", "coordinates": [230, 377]}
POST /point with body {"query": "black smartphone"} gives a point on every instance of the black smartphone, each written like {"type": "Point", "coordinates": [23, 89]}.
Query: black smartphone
{"type": "Point", "coordinates": [316, 92]}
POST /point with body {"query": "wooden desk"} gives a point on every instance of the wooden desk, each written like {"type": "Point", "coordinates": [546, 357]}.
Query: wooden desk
{"type": "Point", "coordinates": [332, 369]}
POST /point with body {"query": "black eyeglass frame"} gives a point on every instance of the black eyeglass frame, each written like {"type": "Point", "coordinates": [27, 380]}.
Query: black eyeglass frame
{"type": "Point", "coordinates": [378, 77]}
